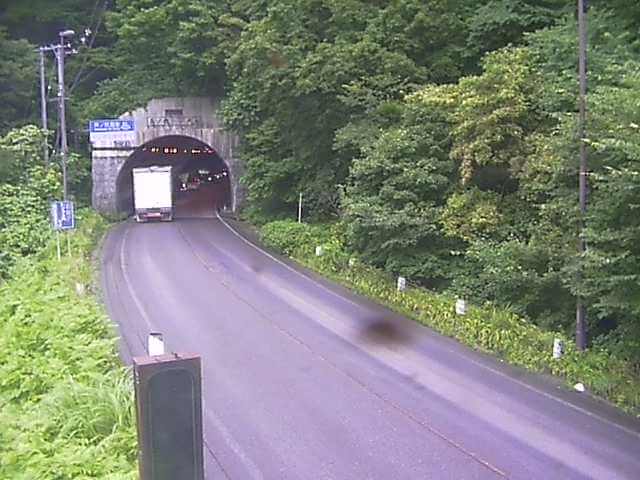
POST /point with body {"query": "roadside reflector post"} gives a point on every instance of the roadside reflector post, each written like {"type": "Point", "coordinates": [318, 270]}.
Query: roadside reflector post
{"type": "Point", "coordinates": [319, 251]}
{"type": "Point", "coordinates": [168, 394]}
{"type": "Point", "coordinates": [402, 284]}
{"type": "Point", "coordinates": [558, 348]}
{"type": "Point", "coordinates": [155, 344]}
{"type": "Point", "coordinates": [461, 306]}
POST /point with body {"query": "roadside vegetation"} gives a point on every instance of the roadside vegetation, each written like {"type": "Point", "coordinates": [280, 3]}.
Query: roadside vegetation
{"type": "Point", "coordinates": [66, 401]}
{"type": "Point", "coordinates": [67, 409]}
{"type": "Point", "coordinates": [487, 327]}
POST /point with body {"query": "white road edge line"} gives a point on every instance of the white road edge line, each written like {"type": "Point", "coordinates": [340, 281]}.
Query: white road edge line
{"type": "Point", "coordinates": [288, 267]}
{"type": "Point", "coordinates": [125, 274]}
{"type": "Point", "coordinates": [479, 364]}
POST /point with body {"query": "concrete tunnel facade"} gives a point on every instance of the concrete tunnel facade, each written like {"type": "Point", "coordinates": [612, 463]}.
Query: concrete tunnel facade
{"type": "Point", "coordinates": [186, 133]}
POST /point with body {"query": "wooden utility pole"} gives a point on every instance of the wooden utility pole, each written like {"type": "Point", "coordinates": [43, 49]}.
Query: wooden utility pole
{"type": "Point", "coordinates": [64, 147]}
{"type": "Point", "coordinates": [43, 107]}
{"type": "Point", "coordinates": [581, 315]}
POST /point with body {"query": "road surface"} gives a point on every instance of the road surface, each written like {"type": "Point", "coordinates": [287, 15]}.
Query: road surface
{"type": "Point", "coordinates": [303, 380]}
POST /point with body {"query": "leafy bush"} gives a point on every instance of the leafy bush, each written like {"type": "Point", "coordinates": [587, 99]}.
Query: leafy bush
{"type": "Point", "coordinates": [66, 401]}
{"type": "Point", "coordinates": [487, 327]}
{"type": "Point", "coordinates": [290, 237]}
{"type": "Point", "coordinates": [26, 189]}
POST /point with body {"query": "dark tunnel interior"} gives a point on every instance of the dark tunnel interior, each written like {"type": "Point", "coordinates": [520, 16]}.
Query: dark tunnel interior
{"type": "Point", "coordinates": [201, 179]}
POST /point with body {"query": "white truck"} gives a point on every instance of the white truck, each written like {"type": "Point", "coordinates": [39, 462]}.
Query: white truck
{"type": "Point", "coordinates": [153, 193]}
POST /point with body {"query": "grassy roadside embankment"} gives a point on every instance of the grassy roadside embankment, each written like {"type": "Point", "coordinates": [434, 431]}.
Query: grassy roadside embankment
{"type": "Point", "coordinates": [488, 328]}
{"type": "Point", "coordinates": [66, 401]}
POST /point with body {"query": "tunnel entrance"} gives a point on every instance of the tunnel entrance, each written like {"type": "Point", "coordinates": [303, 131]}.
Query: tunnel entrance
{"type": "Point", "coordinates": [201, 183]}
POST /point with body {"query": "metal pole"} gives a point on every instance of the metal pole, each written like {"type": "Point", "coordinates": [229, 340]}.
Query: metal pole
{"type": "Point", "coordinates": [300, 208]}
{"type": "Point", "coordinates": [581, 315]}
{"type": "Point", "coordinates": [43, 107]}
{"type": "Point", "coordinates": [58, 244]}
{"type": "Point", "coordinates": [64, 148]}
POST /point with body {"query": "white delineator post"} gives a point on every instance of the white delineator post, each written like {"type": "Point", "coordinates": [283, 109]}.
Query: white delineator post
{"type": "Point", "coordinates": [558, 348]}
{"type": "Point", "coordinates": [461, 306]}
{"type": "Point", "coordinates": [402, 284]}
{"type": "Point", "coordinates": [155, 344]}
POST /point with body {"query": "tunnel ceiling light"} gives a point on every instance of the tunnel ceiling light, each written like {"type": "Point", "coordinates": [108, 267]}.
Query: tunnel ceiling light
{"type": "Point", "coordinates": [173, 150]}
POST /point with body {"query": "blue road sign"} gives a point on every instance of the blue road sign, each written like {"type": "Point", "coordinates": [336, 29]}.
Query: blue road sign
{"type": "Point", "coordinates": [62, 216]}
{"type": "Point", "coordinates": [111, 126]}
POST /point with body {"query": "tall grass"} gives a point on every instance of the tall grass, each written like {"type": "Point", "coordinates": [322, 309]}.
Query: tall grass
{"type": "Point", "coordinates": [66, 401]}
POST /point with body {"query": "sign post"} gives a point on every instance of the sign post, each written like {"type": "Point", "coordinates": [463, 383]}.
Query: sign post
{"type": "Point", "coordinates": [58, 244]}
{"type": "Point", "coordinates": [62, 218]}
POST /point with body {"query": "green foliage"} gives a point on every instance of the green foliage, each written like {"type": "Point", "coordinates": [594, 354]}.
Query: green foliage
{"type": "Point", "coordinates": [66, 402]}
{"type": "Point", "coordinates": [394, 198]}
{"type": "Point", "coordinates": [289, 237]}
{"type": "Point", "coordinates": [26, 189]}
{"type": "Point", "coordinates": [505, 219]}
{"type": "Point", "coordinates": [498, 23]}
{"type": "Point", "coordinates": [522, 276]}
{"type": "Point", "coordinates": [312, 80]}
{"type": "Point", "coordinates": [494, 114]}
{"type": "Point", "coordinates": [41, 20]}
{"type": "Point", "coordinates": [472, 215]}
{"type": "Point", "coordinates": [169, 48]}
{"type": "Point", "coordinates": [486, 328]}
{"type": "Point", "coordinates": [18, 81]}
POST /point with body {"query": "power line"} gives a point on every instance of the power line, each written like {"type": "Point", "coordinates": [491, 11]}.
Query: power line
{"type": "Point", "coordinates": [92, 38]}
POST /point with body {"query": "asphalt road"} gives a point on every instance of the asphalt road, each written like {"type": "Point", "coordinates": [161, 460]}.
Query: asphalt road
{"type": "Point", "coordinates": [304, 380]}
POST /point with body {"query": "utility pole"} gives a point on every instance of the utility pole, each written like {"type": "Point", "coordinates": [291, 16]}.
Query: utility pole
{"type": "Point", "coordinates": [43, 107]}
{"type": "Point", "coordinates": [581, 314]}
{"type": "Point", "coordinates": [64, 148]}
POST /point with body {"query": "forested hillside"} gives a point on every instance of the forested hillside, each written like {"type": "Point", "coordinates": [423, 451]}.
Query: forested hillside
{"type": "Point", "coordinates": [441, 135]}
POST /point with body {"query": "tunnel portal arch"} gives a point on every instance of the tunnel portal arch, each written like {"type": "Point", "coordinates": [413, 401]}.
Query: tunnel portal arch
{"type": "Point", "coordinates": [187, 122]}
{"type": "Point", "coordinates": [187, 156]}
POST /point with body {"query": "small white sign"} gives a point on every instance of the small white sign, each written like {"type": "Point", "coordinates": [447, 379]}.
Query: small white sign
{"type": "Point", "coordinates": [402, 284]}
{"type": "Point", "coordinates": [319, 251]}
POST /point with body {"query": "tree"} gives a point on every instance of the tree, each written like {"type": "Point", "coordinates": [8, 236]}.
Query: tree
{"type": "Point", "coordinates": [396, 194]}
{"type": "Point", "coordinates": [18, 82]}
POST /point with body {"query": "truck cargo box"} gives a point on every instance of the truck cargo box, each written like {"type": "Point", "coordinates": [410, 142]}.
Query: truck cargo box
{"type": "Point", "coordinates": [153, 193]}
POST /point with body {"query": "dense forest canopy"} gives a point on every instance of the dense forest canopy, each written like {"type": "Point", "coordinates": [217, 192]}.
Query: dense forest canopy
{"type": "Point", "coordinates": [441, 134]}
